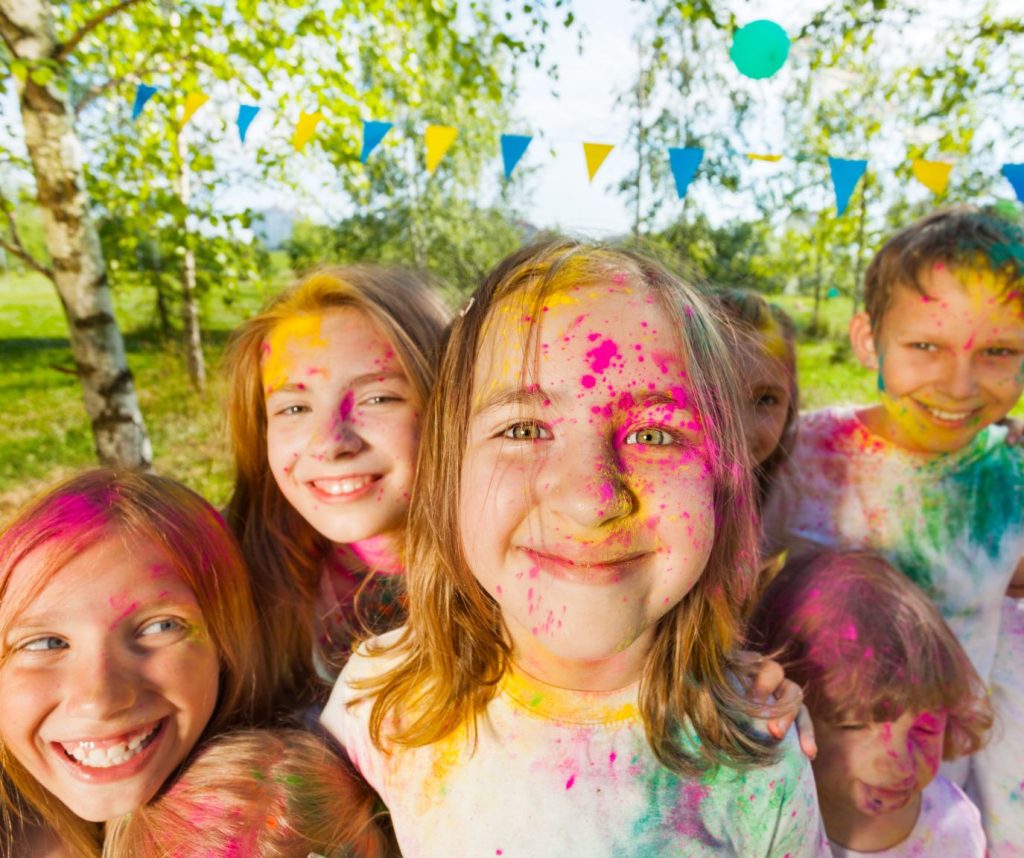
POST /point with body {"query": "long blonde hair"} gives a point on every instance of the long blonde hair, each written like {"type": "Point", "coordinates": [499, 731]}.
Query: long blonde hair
{"type": "Point", "coordinates": [455, 647]}
{"type": "Point", "coordinates": [82, 512]}
{"type": "Point", "coordinates": [286, 555]}
{"type": "Point", "coordinates": [257, 793]}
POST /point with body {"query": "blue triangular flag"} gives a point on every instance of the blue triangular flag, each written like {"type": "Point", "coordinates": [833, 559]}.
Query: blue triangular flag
{"type": "Point", "coordinates": [513, 146]}
{"type": "Point", "coordinates": [143, 93]}
{"type": "Point", "coordinates": [373, 133]}
{"type": "Point", "coordinates": [1015, 173]}
{"type": "Point", "coordinates": [845, 175]}
{"type": "Point", "coordinates": [684, 163]}
{"type": "Point", "coordinates": [246, 114]}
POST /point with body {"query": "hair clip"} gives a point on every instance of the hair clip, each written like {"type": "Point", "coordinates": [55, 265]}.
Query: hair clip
{"type": "Point", "coordinates": [465, 309]}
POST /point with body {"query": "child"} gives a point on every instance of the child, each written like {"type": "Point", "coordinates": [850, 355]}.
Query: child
{"type": "Point", "coordinates": [764, 340]}
{"type": "Point", "coordinates": [326, 387]}
{"type": "Point", "coordinates": [127, 629]}
{"type": "Point", "coordinates": [922, 476]}
{"type": "Point", "coordinates": [581, 548]}
{"type": "Point", "coordinates": [256, 794]}
{"type": "Point", "coordinates": [891, 693]}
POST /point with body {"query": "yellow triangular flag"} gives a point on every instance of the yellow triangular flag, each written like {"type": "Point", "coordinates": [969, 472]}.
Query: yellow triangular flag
{"type": "Point", "coordinates": [596, 153]}
{"type": "Point", "coordinates": [754, 156]}
{"type": "Point", "coordinates": [934, 175]}
{"type": "Point", "coordinates": [305, 127]}
{"type": "Point", "coordinates": [193, 101]}
{"type": "Point", "coordinates": [439, 139]}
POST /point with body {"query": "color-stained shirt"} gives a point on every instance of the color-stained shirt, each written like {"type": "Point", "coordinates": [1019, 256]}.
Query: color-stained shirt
{"type": "Point", "coordinates": [953, 523]}
{"type": "Point", "coordinates": [948, 826]}
{"type": "Point", "coordinates": [565, 773]}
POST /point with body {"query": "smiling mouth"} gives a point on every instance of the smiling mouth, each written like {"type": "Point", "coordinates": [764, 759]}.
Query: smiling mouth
{"type": "Point", "coordinates": [341, 487]}
{"type": "Point", "coordinates": [951, 417]}
{"type": "Point", "coordinates": [91, 756]}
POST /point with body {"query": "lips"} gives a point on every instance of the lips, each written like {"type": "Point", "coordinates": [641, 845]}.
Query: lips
{"type": "Point", "coordinates": [887, 800]}
{"type": "Point", "coordinates": [342, 488]}
{"type": "Point", "coordinates": [103, 758]}
{"type": "Point", "coordinates": [587, 568]}
{"type": "Point", "coordinates": [951, 417]}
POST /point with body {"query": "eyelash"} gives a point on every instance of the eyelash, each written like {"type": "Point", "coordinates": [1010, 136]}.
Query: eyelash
{"type": "Point", "coordinates": [631, 438]}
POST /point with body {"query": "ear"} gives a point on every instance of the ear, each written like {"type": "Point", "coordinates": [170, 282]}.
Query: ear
{"type": "Point", "coordinates": [863, 340]}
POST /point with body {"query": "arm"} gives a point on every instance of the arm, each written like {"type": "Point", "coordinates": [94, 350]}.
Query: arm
{"type": "Point", "coordinates": [1016, 588]}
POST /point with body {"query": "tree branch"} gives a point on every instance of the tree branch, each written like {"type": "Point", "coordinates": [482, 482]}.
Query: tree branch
{"type": "Point", "coordinates": [65, 49]}
{"type": "Point", "coordinates": [96, 91]}
{"type": "Point", "coordinates": [17, 248]}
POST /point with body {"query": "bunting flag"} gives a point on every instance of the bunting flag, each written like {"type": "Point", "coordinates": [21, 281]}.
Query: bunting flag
{"type": "Point", "coordinates": [595, 154]}
{"type": "Point", "coordinates": [934, 175]}
{"type": "Point", "coordinates": [438, 139]}
{"type": "Point", "coordinates": [143, 93]}
{"type": "Point", "coordinates": [373, 133]}
{"type": "Point", "coordinates": [513, 147]}
{"type": "Point", "coordinates": [193, 101]}
{"type": "Point", "coordinates": [754, 156]}
{"type": "Point", "coordinates": [684, 164]}
{"type": "Point", "coordinates": [845, 175]}
{"type": "Point", "coordinates": [1015, 175]}
{"type": "Point", "coordinates": [246, 114]}
{"type": "Point", "coordinates": [305, 127]}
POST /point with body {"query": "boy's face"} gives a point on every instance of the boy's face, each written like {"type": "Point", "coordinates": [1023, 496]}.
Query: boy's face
{"type": "Point", "coordinates": [950, 362]}
{"type": "Point", "coordinates": [872, 773]}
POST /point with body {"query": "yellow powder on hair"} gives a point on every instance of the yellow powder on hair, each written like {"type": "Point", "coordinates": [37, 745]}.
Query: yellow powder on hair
{"type": "Point", "coordinates": [276, 364]}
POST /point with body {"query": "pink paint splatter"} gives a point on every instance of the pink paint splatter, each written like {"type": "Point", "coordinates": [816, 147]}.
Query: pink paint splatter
{"type": "Point", "coordinates": [588, 381]}
{"type": "Point", "coordinates": [600, 357]}
{"type": "Point", "coordinates": [346, 405]}
{"type": "Point", "coordinates": [570, 782]}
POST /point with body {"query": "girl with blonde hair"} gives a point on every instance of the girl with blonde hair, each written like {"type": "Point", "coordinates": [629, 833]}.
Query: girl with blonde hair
{"type": "Point", "coordinates": [127, 634]}
{"type": "Point", "coordinates": [326, 387]}
{"type": "Point", "coordinates": [582, 548]}
{"type": "Point", "coordinates": [259, 794]}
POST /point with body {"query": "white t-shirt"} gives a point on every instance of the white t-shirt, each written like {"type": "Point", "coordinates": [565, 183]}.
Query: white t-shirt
{"type": "Point", "coordinates": [948, 826]}
{"type": "Point", "coordinates": [565, 773]}
{"type": "Point", "coordinates": [953, 524]}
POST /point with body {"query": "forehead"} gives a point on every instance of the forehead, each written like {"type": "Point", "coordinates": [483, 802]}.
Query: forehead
{"type": "Point", "coordinates": [581, 333]}
{"type": "Point", "coordinates": [317, 343]}
{"type": "Point", "coordinates": [114, 566]}
{"type": "Point", "coordinates": [956, 295]}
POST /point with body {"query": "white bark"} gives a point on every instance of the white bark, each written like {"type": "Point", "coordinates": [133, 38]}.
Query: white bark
{"type": "Point", "coordinates": [79, 272]}
{"type": "Point", "coordinates": [189, 301]}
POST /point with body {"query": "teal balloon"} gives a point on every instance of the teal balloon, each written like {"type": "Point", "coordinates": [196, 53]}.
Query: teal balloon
{"type": "Point", "coordinates": [759, 49]}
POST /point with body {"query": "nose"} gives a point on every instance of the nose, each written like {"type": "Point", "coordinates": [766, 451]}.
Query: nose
{"type": "Point", "coordinates": [589, 488]}
{"type": "Point", "coordinates": [899, 761]}
{"type": "Point", "coordinates": [102, 684]}
{"type": "Point", "coordinates": [336, 433]}
{"type": "Point", "coordinates": [961, 383]}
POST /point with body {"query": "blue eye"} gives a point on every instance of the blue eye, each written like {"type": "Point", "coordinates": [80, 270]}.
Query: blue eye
{"type": "Point", "coordinates": [159, 626]}
{"type": "Point", "coordinates": [650, 437]}
{"type": "Point", "coordinates": [44, 644]}
{"type": "Point", "coordinates": [527, 431]}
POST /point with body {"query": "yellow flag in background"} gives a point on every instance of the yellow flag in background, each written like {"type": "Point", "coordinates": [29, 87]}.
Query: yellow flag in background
{"type": "Point", "coordinates": [595, 154]}
{"type": "Point", "coordinates": [193, 101]}
{"type": "Point", "coordinates": [439, 139]}
{"type": "Point", "coordinates": [305, 127]}
{"type": "Point", "coordinates": [757, 156]}
{"type": "Point", "coordinates": [934, 175]}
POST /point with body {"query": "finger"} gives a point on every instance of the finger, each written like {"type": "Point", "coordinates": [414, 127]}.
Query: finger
{"type": "Point", "coordinates": [788, 698]}
{"type": "Point", "coordinates": [805, 727]}
{"type": "Point", "coordinates": [769, 680]}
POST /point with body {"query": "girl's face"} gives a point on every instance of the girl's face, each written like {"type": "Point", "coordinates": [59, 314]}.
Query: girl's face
{"type": "Point", "coordinates": [767, 377]}
{"type": "Point", "coordinates": [586, 506]}
{"type": "Point", "coordinates": [108, 676]}
{"type": "Point", "coordinates": [876, 771]}
{"type": "Point", "coordinates": [342, 425]}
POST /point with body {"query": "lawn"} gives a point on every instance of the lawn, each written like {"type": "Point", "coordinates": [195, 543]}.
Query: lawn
{"type": "Point", "coordinates": [45, 434]}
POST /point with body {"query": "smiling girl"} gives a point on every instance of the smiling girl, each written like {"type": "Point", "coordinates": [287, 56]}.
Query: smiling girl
{"type": "Point", "coordinates": [326, 389]}
{"type": "Point", "coordinates": [127, 633]}
{"type": "Point", "coordinates": [582, 546]}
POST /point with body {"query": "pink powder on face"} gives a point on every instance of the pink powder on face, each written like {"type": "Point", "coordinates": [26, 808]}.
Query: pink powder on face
{"type": "Point", "coordinates": [346, 405]}
{"type": "Point", "coordinates": [588, 381]}
{"type": "Point", "coordinates": [570, 782]}
{"type": "Point", "coordinates": [599, 358]}
{"type": "Point", "coordinates": [119, 603]}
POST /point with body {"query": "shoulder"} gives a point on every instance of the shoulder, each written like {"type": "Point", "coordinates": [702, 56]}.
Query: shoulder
{"type": "Point", "coordinates": [350, 699]}
{"type": "Point", "coordinates": [944, 805]}
{"type": "Point", "coordinates": [372, 657]}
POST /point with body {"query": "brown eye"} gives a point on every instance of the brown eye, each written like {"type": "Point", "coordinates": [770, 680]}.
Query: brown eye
{"type": "Point", "coordinates": [527, 432]}
{"type": "Point", "coordinates": [650, 437]}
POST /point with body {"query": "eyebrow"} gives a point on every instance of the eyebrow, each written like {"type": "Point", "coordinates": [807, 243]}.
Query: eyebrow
{"type": "Point", "coordinates": [534, 395]}
{"type": "Point", "coordinates": [48, 618]}
{"type": "Point", "coordinates": [359, 381]}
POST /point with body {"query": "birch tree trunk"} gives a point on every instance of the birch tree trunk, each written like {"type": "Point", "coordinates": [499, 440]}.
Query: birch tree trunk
{"type": "Point", "coordinates": [79, 272]}
{"type": "Point", "coordinates": [189, 302]}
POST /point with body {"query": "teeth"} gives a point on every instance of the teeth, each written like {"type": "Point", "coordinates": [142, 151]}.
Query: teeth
{"type": "Point", "coordinates": [89, 755]}
{"type": "Point", "coordinates": [949, 415]}
{"type": "Point", "coordinates": [344, 486]}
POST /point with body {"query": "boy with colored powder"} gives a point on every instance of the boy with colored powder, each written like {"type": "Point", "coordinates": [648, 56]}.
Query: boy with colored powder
{"type": "Point", "coordinates": [923, 476]}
